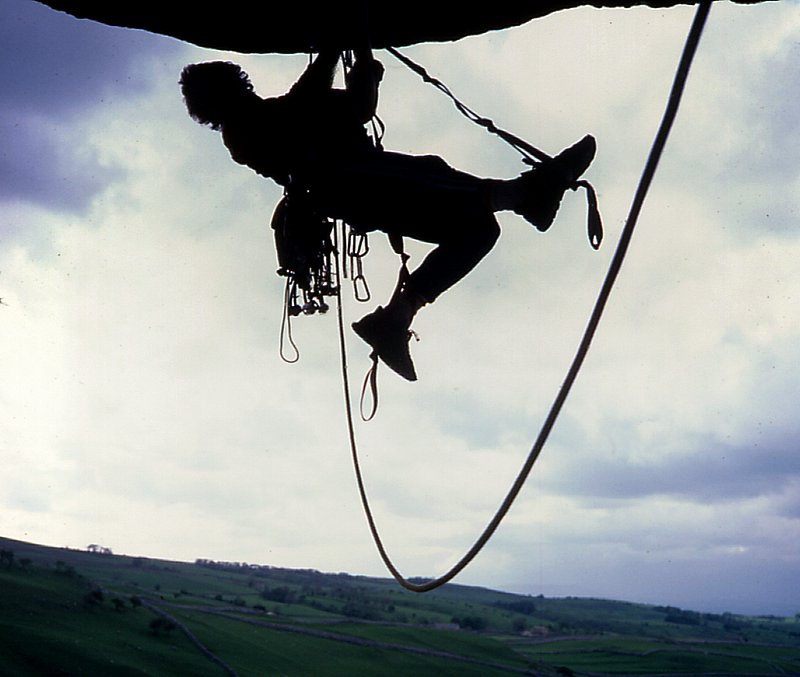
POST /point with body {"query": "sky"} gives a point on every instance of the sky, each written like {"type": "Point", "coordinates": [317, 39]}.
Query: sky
{"type": "Point", "coordinates": [145, 406]}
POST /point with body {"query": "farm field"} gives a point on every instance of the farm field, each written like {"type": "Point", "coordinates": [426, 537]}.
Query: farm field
{"type": "Point", "coordinates": [70, 612]}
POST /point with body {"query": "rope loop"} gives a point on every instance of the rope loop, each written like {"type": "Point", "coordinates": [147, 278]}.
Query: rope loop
{"type": "Point", "coordinates": [286, 324]}
{"type": "Point", "coordinates": [371, 381]}
{"type": "Point", "coordinates": [594, 224]}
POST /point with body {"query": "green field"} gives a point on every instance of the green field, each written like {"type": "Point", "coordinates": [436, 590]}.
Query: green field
{"type": "Point", "coordinates": [69, 612]}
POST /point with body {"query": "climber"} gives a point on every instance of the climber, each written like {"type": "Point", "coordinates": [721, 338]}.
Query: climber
{"type": "Point", "coordinates": [313, 142]}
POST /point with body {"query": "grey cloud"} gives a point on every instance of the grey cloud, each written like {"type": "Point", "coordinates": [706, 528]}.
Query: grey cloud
{"type": "Point", "coordinates": [756, 160]}
{"type": "Point", "coordinates": [55, 70]}
{"type": "Point", "coordinates": [773, 113]}
{"type": "Point", "coordinates": [56, 65]}
{"type": "Point", "coordinates": [37, 166]}
{"type": "Point", "coordinates": [464, 415]}
{"type": "Point", "coordinates": [788, 505]}
{"type": "Point", "coordinates": [773, 142]}
{"type": "Point", "coordinates": [693, 577]}
{"type": "Point", "coordinates": [708, 470]}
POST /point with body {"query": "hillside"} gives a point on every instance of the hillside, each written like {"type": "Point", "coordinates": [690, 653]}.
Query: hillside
{"type": "Point", "coordinates": [69, 612]}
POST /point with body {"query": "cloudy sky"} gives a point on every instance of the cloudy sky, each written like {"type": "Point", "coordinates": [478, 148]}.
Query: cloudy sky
{"type": "Point", "coordinates": [145, 406]}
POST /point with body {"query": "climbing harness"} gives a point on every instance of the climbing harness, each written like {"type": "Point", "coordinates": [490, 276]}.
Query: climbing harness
{"type": "Point", "coordinates": [305, 242]}
{"type": "Point", "coordinates": [673, 102]}
{"type": "Point", "coordinates": [303, 245]}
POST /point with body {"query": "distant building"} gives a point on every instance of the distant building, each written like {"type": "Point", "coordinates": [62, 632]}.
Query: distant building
{"type": "Point", "coordinates": [445, 626]}
{"type": "Point", "coordinates": [537, 631]}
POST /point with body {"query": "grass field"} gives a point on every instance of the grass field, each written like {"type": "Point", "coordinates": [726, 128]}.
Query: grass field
{"type": "Point", "coordinates": [46, 628]}
{"type": "Point", "coordinates": [68, 612]}
{"type": "Point", "coordinates": [621, 656]}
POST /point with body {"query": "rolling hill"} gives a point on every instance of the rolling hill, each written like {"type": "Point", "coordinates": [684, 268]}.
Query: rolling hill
{"type": "Point", "coordinates": [71, 612]}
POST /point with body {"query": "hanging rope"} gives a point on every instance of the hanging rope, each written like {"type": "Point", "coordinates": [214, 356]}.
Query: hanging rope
{"type": "Point", "coordinates": [530, 153]}
{"type": "Point", "coordinates": [522, 146]}
{"type": "Point", "coordinates": [648, 173]}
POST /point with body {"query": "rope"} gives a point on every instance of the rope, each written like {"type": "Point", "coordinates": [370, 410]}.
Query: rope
{"type": "Point", "coordinates": [648, 173]}
{"type": "Point", "coordinates": [286, 326]}
{"type": "Point", "coordinates": [521, 145]}
{"type": "Point", "coordinates": [530, 153]}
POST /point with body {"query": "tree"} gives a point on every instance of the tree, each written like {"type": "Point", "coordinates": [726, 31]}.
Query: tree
{"type": "Point", "coordinates": [65, 569]}
{"type": "Point", "coordinates": [476, 623]}
{"type": "Point", "coordinates": [162, 626]}
{"type": "Point", "coordinates": [98, 549]}
{"type": "Point", "coordinates": [522, 606]}
{"type": "Point", "coordinates": [281, 594]}
{"type": "Point", "coordinates": [93, 598]}
{"type": "Point", "coordinates": [519, 625]}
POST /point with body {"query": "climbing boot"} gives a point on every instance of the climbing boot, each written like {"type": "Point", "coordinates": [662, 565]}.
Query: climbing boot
{"type": "Point", "coordinates": [388, 334]}
{"type": "Point", "coordinates": [546, 183]}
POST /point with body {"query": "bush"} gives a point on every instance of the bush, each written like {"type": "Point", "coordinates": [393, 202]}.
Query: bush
{"type": "Point", "coordinates": [525, 607]}
{"type": "Point", "coordinates": [65, 569]}
{"type": "Point", "coordinates": [162, 626]}
{"type": "Point", "coordinates": [476, 623]}
{"type": "Point", "coordinates": [282, 595]}
{"type": "Point", "coordinates": [93, 598]}
{"type": "Point", "coordinates": [519, 625]}
{"type": "Point", "coordinates": [683, 618]}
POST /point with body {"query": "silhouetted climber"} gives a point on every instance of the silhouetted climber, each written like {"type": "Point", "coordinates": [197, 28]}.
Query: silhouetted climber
{"type": "Point", "coordinates": [313, 141]}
